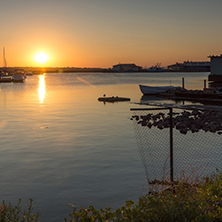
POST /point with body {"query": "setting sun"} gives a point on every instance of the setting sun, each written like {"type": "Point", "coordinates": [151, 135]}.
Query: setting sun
{"type": "Point", "coordinates": [41, 57]}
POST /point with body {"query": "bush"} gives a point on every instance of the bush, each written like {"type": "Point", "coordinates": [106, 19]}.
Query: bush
{"type": "Point", "coordinates": [183, 202]}
{"type": "Point", "coordinates": [9, 213]}
{"type": "Point", "coordinates": [201, 202]}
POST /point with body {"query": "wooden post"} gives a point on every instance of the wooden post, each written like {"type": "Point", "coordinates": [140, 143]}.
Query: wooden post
{"type": "Point", "coordinates": [183, 82]}
{"type": "Point", "coordinates": [171, 144]}
{"type": "Point", "coordinates": [205, 83]}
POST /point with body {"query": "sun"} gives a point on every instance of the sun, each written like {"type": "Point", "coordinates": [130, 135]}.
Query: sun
{"type": "Point", "coordinates": [41, 57]}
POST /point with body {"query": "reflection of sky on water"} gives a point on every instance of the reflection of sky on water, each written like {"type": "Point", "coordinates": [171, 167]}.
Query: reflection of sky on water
{"type": "Point", "coordinates": [41, 88]}
{"type": "Point", "coordinates": [74, 148]}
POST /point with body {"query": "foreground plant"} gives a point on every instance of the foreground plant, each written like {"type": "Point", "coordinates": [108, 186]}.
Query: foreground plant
{"type": "Point", "coordinates": [184, 202]}
{"type": "Point", "coordinates": [11, 213]}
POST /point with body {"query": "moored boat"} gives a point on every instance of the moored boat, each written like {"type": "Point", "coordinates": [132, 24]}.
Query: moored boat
{"type": "Point", "coordinates": [6, 78]}
{"type": "Point", "coordinates": [156, 68]}
{"type": "Point", "coordinates": [29, 73]}
{"type": "Point", "coordinates": [152, 90]}
{"type": "Point", "coordinates": [19, 77]}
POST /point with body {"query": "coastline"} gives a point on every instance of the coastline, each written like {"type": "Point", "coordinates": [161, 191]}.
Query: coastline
{"type": "Point", "coordinates": [38, 70]}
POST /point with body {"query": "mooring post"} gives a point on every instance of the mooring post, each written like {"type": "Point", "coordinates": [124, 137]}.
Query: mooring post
{"type": "Point", "coordinates": [171, 144]}
{"type": "Point", "coordinates": [205, 83]}
{"type": "Point", "coordinates": [183, 82]}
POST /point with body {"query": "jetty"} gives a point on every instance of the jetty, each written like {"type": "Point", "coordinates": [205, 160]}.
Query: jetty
{"type": "Point", "coordinates": [207, 95]}
{"type": "Point", "coordinates": [113, 99]}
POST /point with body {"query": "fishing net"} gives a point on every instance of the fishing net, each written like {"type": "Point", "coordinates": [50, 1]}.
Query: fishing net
{"type": "Point", "coordinates": [197, 143]}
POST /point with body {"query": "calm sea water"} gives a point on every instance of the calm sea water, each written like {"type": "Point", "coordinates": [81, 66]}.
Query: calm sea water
{"type": "Point", "coordinates": [60, 145]}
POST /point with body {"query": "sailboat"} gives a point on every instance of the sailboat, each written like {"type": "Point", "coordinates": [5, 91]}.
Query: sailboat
{"type": "Point", "coordinates": [4, 77]}
{"type": "Point", "coordinates": [18, 76]}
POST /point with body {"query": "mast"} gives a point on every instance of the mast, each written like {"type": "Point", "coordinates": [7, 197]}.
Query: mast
{"type": "Point", "coordinates": [4, 59]}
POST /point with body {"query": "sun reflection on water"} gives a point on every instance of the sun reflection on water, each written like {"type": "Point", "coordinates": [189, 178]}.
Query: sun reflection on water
{"type": "Point", "coordinates": [41, 89]}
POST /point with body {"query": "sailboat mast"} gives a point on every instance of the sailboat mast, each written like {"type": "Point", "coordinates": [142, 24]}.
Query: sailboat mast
{"type": "Point", "coordinates": [4, 59]}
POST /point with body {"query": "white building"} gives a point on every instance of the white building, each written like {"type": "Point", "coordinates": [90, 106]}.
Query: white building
{"type": "Point", "coordinates": [130, 67]}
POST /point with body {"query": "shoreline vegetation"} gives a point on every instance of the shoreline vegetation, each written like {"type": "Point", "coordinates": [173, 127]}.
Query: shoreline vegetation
{"type": "Point", "coordinates": [199, 201]}
{"type": "Point", "coordinates": [40, 70]}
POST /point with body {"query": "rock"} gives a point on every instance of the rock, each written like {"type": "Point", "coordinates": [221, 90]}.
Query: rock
{"type": "Point", "coordinates": [180, 125]}
{"type": "Point", "coordinates": [160, 125]}
{"type": "Point", "coordinates": [143, 123]}
{"type": "Point", "coordinates": [149, 124]}
{"type": "Point", "coordinates": [184, 121]}
{"type": "Point", "coordinates": [194, 129]}
{"type": "Point", "coordinates": [183, 131]}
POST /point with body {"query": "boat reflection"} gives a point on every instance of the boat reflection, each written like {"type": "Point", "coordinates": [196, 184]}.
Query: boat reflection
{"type": "Point", "coordinates": [41, 88]}
{"type": "Point", "coordinates": [164, 101]}
{"type": "Point", "coordinates": [157, 100]}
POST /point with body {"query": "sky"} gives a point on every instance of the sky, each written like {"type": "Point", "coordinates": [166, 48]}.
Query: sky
{"type": "Point", "coordinates": [102, 33]}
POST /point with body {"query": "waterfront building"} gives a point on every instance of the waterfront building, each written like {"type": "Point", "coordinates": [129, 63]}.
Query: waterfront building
{"type": "Point", "coordinates": [189, 66]}
{"type": "Point", "coordinates": [127, 67]}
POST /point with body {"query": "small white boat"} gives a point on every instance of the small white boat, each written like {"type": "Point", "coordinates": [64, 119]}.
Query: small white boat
{"type": "Point", "coordinates": [152, 90]}
{"type": "Point", "coordinates": [6, 78]}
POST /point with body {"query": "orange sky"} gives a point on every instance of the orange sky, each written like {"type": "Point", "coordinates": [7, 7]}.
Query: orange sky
{"type": "Point", "coordinates": [98, 33]}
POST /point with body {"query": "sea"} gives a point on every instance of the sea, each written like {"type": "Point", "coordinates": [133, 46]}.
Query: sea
{"type": "Point", "coordinates": [61, 147]}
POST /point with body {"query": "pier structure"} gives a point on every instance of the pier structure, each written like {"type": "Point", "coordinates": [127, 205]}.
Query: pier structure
{"type": "Point", "coordinates": [216, 69]}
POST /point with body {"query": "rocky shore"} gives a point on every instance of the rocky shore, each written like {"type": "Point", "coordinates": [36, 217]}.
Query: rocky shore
{"type": "Point", "coordinates": [194, 121]}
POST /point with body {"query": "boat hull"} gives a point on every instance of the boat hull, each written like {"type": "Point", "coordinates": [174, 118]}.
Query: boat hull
{"type": "Point", "coordinates": [18, 80]}
{"type": "Point", "coordinates": [6, 79]}
{"type": "Point", "coordinates": [153, 90]}
{"type": "Point", "coordinates": [19, 77]}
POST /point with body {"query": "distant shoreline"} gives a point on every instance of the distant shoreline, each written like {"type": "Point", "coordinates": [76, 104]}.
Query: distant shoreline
{"type": "Point", "coordinates": [39, 70]}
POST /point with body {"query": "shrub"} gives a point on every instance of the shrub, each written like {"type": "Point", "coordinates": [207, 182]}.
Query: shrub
{"type": "Point", "coordinates": [11, 213]}
{"type": "Point", "coordinates": [183, 202]}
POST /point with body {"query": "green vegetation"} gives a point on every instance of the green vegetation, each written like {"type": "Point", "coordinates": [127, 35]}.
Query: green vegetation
{"type": "Point", "coordinates": [9, 213]}
{"type": "Point", "coordinates": [201, 202]}
{"type": "Point", "coordinates": [184, 202]}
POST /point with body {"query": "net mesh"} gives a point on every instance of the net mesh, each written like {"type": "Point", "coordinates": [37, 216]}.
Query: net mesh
{"type": "Point", "coordinates": [197, 147]}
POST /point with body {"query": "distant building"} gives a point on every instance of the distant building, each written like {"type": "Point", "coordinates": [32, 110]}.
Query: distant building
{"type": "Point", "coordinates": [189, 66]}
{"type": "Point", "coordinates": [130, 67]}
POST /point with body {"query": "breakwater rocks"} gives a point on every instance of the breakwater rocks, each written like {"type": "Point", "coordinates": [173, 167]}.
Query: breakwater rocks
{"type": "Point", "coordinates": [194, 121]}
